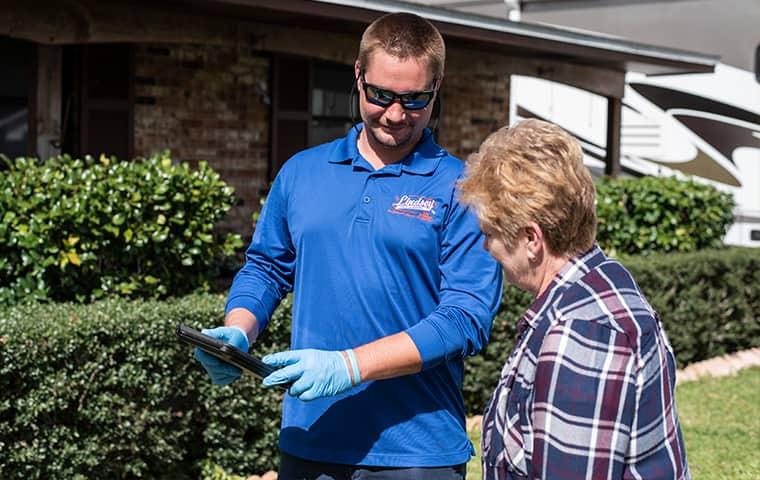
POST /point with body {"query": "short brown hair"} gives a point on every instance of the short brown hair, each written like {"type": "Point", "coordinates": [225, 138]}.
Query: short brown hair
{"type": "Point", "coordinates": [404, 35]}
{"type": "Point", "coordinates": [533, 172]}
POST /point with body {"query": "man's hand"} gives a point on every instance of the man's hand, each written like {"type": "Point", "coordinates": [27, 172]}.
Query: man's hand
{"type": "Point", "coordinates": [314, 373]}
{"type": "Point", "coordinates": [222, 373]}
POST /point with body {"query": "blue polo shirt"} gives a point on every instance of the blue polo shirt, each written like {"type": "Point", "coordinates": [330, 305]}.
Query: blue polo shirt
{"type": "Point", "coordinates": [369, 253]}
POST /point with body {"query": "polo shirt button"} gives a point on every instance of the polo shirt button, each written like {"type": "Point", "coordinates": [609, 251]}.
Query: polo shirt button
{"type": "Point", "coordinates": [366, 199]}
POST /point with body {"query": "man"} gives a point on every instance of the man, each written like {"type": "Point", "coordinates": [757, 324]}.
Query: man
{"type": "Point", "coordinates": [392, 286]}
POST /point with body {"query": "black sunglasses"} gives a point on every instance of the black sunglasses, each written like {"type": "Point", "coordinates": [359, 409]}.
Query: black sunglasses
{"type": "Point", "coordinates": [409, 100]}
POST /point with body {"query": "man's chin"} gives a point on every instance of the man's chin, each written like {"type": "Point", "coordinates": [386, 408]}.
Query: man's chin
{"type": "Point", "coordinates": [387, 140]}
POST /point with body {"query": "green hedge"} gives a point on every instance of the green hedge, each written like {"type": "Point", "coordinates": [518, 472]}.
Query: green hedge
{"type": "Point", "coordinates": [80, 230]}
{"type": "Point", "coordinates": [106, 391]}
{"type": "Point", "coordinates": [652, 214]}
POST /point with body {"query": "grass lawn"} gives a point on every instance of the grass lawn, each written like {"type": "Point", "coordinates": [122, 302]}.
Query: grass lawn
{"type": "Point", "coordinates": [720, 420]}
{"type": "Point", "coordinates": [474, 469]}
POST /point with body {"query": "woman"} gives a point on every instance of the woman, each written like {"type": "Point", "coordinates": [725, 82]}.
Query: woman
{"type": "Point", "coordinates": [588, 391]}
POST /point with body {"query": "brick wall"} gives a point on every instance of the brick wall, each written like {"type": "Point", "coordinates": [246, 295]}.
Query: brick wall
{"type": "Point", "coordinates": [210, 102]}
{"type": "Point", "coordinates": [207, 102]}
{"type": "Point", "coordinates": [475, 98]}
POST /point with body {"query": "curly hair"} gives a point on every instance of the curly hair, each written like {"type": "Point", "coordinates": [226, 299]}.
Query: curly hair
{"type": "Point", "coordinates": [533, 172]}
{"type": "Point", "coordinates": [404, 36]}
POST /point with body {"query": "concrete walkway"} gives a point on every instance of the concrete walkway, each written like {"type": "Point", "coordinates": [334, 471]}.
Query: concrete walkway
{"type": "Point", "coordinates": [720, 366]}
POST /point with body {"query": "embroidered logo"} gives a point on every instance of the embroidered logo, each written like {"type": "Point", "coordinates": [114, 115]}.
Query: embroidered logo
{"type": "Point", "coordinates": [415, 206]}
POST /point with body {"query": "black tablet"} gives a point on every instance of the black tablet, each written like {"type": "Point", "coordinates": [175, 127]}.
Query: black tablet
{"type": "Point", "coordinates": [225, 352]}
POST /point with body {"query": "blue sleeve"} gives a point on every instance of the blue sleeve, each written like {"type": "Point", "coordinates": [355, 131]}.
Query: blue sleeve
{"type": "Point", "coordinates": [470, 293]}
{"type": "Point", "coordinates": [267, 275]}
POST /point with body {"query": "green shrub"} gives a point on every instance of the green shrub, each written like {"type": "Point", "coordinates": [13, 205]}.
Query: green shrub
{"type": "Point", "coordinates": [106, 391]}
{"type": "Point", "coordinates": [709, 301]}
{"type": "Point", "coordinates": [212, 471]}
{"type": "Point", "coordinates": [74, 229]}
{"type": "Point", "coordinates": [650, 214]}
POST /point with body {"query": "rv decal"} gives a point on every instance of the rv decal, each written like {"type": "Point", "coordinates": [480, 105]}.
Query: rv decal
{"type": "Point", "coordinates": [718, 128]}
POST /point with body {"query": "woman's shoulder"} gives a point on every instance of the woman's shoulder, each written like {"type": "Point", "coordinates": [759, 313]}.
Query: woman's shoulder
{"type": "Point", "coordinates": [609, 297]}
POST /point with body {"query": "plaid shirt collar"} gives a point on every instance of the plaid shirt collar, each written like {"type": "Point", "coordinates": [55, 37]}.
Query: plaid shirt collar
{"type": "Point", "coordinates": [571, 272]}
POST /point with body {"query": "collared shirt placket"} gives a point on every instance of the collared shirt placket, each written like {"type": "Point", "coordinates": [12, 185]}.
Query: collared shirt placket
{"type": "Point", "coordinates": [371, 195]}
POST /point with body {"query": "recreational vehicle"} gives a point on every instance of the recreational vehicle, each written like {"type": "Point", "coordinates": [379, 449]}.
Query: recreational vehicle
{"type": "Point", "coordinates": [704, 125]}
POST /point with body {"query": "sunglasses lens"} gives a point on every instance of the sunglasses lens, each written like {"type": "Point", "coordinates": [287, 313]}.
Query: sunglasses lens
{"type": "Point", "coordinates": [379, 96]}
{"type": "Point", "coordinates": [416, 101]}
{"type": "Point", "coordinates": [384, 98]}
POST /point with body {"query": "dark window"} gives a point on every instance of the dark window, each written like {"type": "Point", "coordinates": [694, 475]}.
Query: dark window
{"type": "Point", "coordinates": [98, 100]}
{"type": "Point", "coordinates": [16, 86]}
{"type": "Point", "coordinates": [293, 136]}
{"type": "Point", "coordinates": [290, 109]}
{"type": "Point", "coordinates": [310, 105]}
{"type": "Point", "coordinates": [330, 102]}
{"type": "Point", "coordinates": [292, 83]}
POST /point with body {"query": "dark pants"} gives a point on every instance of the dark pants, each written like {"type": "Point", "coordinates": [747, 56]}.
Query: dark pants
{"type": "Point", "coordinates": [294, 468]}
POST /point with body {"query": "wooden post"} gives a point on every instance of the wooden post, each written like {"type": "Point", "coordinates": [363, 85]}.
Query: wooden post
{"type": "Point", "coordinates": [612, 159]}
{"type": "Point", "coordinates": [48, 101]}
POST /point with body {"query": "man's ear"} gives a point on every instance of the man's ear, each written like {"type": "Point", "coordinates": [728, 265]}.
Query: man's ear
{"type": "Point", "coordinates": [357, 69]}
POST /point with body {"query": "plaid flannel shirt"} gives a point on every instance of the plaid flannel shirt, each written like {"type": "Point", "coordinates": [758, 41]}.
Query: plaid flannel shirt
{"type": "Point", "coordinates": [588, 392]}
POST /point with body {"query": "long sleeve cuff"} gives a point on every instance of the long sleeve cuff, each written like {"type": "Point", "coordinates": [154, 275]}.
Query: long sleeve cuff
{"type": "Point", "coordinates": [253, 305]}
{"type": "Point", "coordinates": [429, 342]}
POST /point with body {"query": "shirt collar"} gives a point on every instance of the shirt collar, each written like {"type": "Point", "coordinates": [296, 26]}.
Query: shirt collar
{"type": "Point", "coordinates": [347, 150]}
{"type": "Point", "coordinates": [570, 273]}
{"type": "Point", "coordinates": [423, 160]}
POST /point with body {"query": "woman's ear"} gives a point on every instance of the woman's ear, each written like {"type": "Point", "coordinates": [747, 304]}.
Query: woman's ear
{"type": "Point", "coordinates": [534, 240]}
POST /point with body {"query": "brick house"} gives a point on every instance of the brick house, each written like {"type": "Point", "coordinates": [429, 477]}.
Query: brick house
{"type": "Point", "coordinates": [244, 84]}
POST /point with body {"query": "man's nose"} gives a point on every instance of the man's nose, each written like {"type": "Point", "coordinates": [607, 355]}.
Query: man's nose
{"type": "Point", "coordinates": [395, 112]}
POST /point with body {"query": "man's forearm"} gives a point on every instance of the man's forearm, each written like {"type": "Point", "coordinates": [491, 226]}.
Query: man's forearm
{"type": "Point", "coordinates": [242, 318]}
{"type": "Point", "coordinates": [388, 357]}
{"type": "Point", "coordinates": [323, 373]}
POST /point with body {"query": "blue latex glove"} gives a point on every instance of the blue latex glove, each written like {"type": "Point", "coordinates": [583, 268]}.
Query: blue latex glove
{"type": "Point", "coordinates": [222, 373]}
{"type": "Point", "coordinates": [315, 373]}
